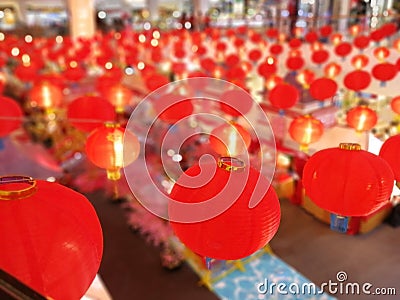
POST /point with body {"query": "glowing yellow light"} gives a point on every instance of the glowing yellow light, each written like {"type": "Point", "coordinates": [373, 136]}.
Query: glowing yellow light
{"type": "Point", "coordinates": [28, 38]}
{"type": "Point", "coordinates": [15, 51]}
{"type": "Point", "coordinates": [156, 34]}
{"type": "Point", "coordinates": [26, 60]}
{"type": "Point", "coordinates": [141, 65]}
{"type": "Point", "coordinates": [59, 39]}
{"type": "Point", "coordinates": [108, 65]}
{"type": "Point", "coordinates": [154, 42]}
{"type": "Point", "coordinates": [142, 38]}
{"type": "Point", "coordinates": [73, 64]}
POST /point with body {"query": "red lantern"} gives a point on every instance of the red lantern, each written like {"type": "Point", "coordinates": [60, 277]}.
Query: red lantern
{"type": "Point", "coordinates": [294, 62]}
{"type": "Point", "coordinates": [348, 181]}
{"type": "Point", "coordinates": [26, 72]}
{"type": "Point", "coordinates": [272, 81]}
{"type": "Point", "coordinates": [267, 68]}
{"type": "Point", "coordinates": [359, 61]}
{"type": "Point", "coordinates": [295, 43]}
{"type": "Point", "coordinates": [239, 230]}
{"type": "Point", "coordinates": [361, 118]}
{"type": "Point", "coordinates": [384, 72]}
{"type": "Point", "coordinates": [331, 70]}
{"type": "Point", "coordinates": [357, 80]}
{"type": "Point", "coordinates": [323, 88]}
{"type": "Point", "coordinates": [336, 38]}
{"type": "Point", "coordinates": [172, 107]}
{"type": "Point", "coordinates": [255, 55]}
{"type": "Point", "coordinates": [361, 42]}
{"type": "Point", "coordinates": [10, 116]}
{"type": "Point", "coordinates": [390, 153]}
{"type": "Point", "coordinates": [284, 96]}
{"type": "Point", "coordinates": [111, 147]}
{"type": "Point", "coordinates": [232, 60]}
{"type": "Point", "coordinates": [325, 30]}
{"type": "Point", "coordinates": [272, 33]}
{"type": "Point", "coordinates": [343, 49]}
{"type": "Point", "coordinates": [50, 235]}
{"type": "Point", "coordinates": [276, 49]}
{"type": "Point", "coordinates": [45, 95]}
{"type": "Point", "coordinates": [306, 130]}
{"type": "Point", "coordinates": [311, 37]}
{"type": "Point", "coordinates": [377, 35]}
{"type": "Point", "coordinates": [381, 53]}
{"type": "Point", "coordinates": [319, 56]}
{"type": "Point", "coordinates": [74, 72]}
{"type": "Point", "coordinates": [396, 44]}
{"type": "Point", "coordinates": [82, 108]}
{"type": "Point", "coordinates": [395, 104]}
{"type": "Point", "coordinates": [305, 77]}
{"type": "Point", "coordinates": [230, 139]}
{"type": "Point", "coordinates": [235, 102]}
{"type": "Point", "coordinates": [120, 96]}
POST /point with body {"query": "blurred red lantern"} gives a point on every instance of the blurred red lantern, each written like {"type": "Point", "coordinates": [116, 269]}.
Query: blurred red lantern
{"type": "Point", "coordinates": [381, 53]}
{"type": "Point", "coordinates": [361, 118]}
{"type": "Point", "coordinates": [294, 63]}
{"type": "Point", "coordinates": [119, 95]}
{"type": "Point", "coordinates": [336, 38]}
{"type": "Point", "coordinates": [319, 56]}
{"type": "Point", "coordinates": [172, 107]}
{"type": "Point", "coordinates": [389, 29]}
{"type": "Point", "coordinates": [255, 55]}
{"type": "Point", "coordinates": [89, 112]}
{"type": "Point", "coordinates": [272, 33]}
{"type": "Point", "coordinates": [295, 43]}
{"type": "Point", "coordinates": [284, 96]}
{"type": "Point", "coordinates": [178, 68]}
{"type": "Point", "coordinates": [50, 235]}
{"type": "Point", "coordinates": [276, 49]}
{"type": "Point", "coordinates": [377, 35]}
{"type": "Point", "coordinates": [395, 104]}
{"type": "Point", "coordinates": [272, 81]}
{"type": "Point", "coordinates": [27, 72]}
{"type": "Point", "coordinates": [398, 64]}
{"type": "Point", "coordinates": [343, 49]}
{"type": "Point", "coordinates": [325, 30]}
{"type": "Point", "coordinates": [390, 153]}
{"type": "Point", "coordinates": [230, 139]}
{"type": "Point", "coordinates": [238, 231]}
{"type": "Point", "coordinates": [45, 95]}
{"type": "Point", "coordinates": [323, 88]}
{"type": "Point", "coordinates": [74, 72]}
{"type": "Point", "coordinates": [221, 47]}
{"type": "Point", "coordinates": [306, 130]}
{"type": "Point", "coordinates": [361, 42]}
{"type": "Point", "coordinates": [10, 116]}
{"type": "Point", "coordinates": [267, 68]}
{"type": "Point", "coordinates": [354, 30]}
{"type": "Point", "coordinates": [359, 61]}
{"type": "Point", "coordinates": [396, 44]}
{"type": "Point", "coordinates": [311, 37]}
{"type": "Point", "coordinates": [359, 182]}
{"type": "Point", "coordinates": [331, 70]}
{"type": "Point", "coordinates": [239, 43]}
{"type": "Point", "coordinates": [154, 81]}
{"type": "Point", "coordinates": [208, 64]}
{"type": "Point", "coordinates": [384, 72]}
{"type": "Point", "coordinates": [111, 147]}
{"type": "Point", "coordinates": [232, 60]}
{"type": "Point", "coordinates": [357, 80]}
{"type": "Point", "coordinates": [235, 102]}
{"type": "Point", "coordinates": [305, 77]}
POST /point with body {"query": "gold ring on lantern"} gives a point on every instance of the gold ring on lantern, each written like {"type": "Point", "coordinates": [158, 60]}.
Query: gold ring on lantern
{"type": "Point", "coordinates": [17, 194]}
{"type": "Point", "coordinates": [350, 146]}
{"type": "Point", "coordinates": [231, 164]}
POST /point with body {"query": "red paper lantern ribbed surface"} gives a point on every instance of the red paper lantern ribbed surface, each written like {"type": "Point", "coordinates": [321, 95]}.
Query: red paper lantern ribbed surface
{"type": "Point", "coordinates": [395, 104]}
{"type": "Point", "coordinates": [323, 88]}
{"type": "Point", "coordinates": [357, 80]}
{"type": "Point", "coordinates": [284, 96]}
{"type": "Point", "coordinates": [390, 153]}
{"type": "Point", "coordinates": [50, 237]}
{"type": "Point", "coordinates": [81, 109]}
{"type": "Point", "coordinates": [11, 111]}
{"type": "Point", "coordinates": [348, 181]}
{"type": "Point", "coordinates": [237, 232]}
{"type": "Point", "coordinates": [306, 130]}
{"type": "Point", "coordinates": [111, 147]}
{"type": "Point", "coordinates": [361, 118]}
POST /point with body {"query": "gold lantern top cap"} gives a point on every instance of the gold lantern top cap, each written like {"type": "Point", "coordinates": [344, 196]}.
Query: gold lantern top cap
{"type": "Point", "coordinates": [20, 193]}
{"type": "Point", "coordinates": [350, 146]}
{"type": "Point", "coordinates": [231, 164]}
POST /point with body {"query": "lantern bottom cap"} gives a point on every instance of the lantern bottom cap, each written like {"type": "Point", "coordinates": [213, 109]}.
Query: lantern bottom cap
{"type": "Point", "coordinates": [113, 174]}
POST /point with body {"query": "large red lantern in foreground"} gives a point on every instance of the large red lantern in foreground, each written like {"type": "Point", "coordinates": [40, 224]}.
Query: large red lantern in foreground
{"type": "Point", "coordinates": [347, 181]}
{"type": "Point", "coordinates": [111, 147]}
{"type": "Point", "coordinates": [50, 237]}
{"type": "Point", "coordinates": [239, 230]}
{"type": "Point", "coordinates": [361, 118]}
{"type": "Point", "coordinates": [10, 116]}
{"type": "Point", "coordinates": [306, 130]}
{"type": "Point", "coordinates": [390, 153]}
{"type": "Point", "coordinates": [83, 116]}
